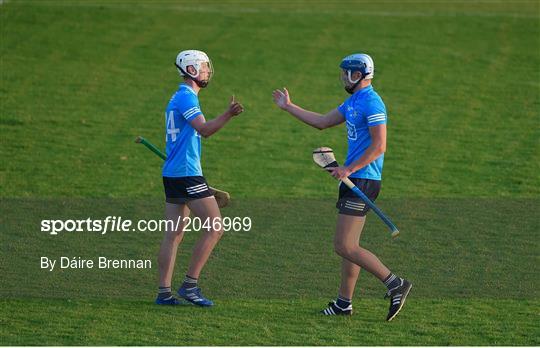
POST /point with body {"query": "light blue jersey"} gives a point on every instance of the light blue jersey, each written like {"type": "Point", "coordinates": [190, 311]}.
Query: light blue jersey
{"type": "Point", "coordinates": [183, 143]}
{"type": "Point", "coordinates": [362, 110]}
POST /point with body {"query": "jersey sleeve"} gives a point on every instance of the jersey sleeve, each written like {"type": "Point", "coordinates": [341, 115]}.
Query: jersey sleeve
{"type": "Point", "coordinates": [375, 113]}
{"type": "Point", "coordinates": [189, 107]}
{"type": "Point", "coordinates": [342, 109]}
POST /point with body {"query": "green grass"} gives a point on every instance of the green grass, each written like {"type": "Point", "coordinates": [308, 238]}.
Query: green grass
{"type": "Point", "coordinates": [81, 79]}
{"type": "Point", "coordinates": [471, 286]}
{"type": "Point", "coordinates": [271, 322]}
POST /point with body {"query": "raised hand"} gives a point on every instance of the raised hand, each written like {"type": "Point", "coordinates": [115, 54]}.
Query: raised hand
{"type": "Point", "coordinates": [281, 98]}
{"type": "Point", "coordinates": [235, 108]}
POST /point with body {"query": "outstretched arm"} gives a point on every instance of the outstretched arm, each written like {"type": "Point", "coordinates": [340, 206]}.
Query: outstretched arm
{"type": "Point", "coordinates": [207, 128]}
{"type": "Point", "coordinates": [316, 120]}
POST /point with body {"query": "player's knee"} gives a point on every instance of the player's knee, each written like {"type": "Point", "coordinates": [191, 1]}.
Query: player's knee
{"type": "Point", "coordinates": [214, 232]}
{"type": "Point", "coordinates": [342, 249]}
{"type": "Point", "coordinates": [178, 235]}
{"type": "Point", "coordinates": [174, 236]}
{"type": "Point", "coordinates": [215, 228]}
{"type": "Point", "coordinates": [218, 232]}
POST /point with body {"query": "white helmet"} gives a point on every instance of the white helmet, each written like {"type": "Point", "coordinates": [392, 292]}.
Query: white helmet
{"type": "Point", "coordinates": [359, 62]}
{"type": "Point", "coordinates": [195, 59]}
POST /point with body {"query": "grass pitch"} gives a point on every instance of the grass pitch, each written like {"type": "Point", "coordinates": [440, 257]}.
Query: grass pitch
{"type": "Point", "coordinates": [79, 80]}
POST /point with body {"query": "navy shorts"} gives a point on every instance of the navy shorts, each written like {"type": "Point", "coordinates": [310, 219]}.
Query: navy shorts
{"type": "Point", "coordinates": [350, 204]}
{"type": "Point", "coordinates": [185, 189]}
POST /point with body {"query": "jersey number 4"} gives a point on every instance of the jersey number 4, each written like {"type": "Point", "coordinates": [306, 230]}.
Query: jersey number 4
{"type": "Point", "coordinates": [170, 127]}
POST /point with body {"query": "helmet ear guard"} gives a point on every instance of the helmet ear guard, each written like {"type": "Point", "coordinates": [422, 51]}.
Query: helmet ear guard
{"type": "Point", "coordinates": [180, 70]}
{"type": "Point", "coordinates": [185, 72]}
{"type": "Point", "coordinates": [349, 76]}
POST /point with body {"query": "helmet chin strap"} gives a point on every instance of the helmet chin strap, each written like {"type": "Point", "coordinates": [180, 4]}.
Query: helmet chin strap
{"type": "Point", "coordinates": [350, 89]}
{"type": "Point", "coordinates": [200, 83]}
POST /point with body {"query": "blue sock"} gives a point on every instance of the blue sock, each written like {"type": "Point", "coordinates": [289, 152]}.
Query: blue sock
{"type": "Point", "coordinates": [343, 302]}
{"type": "Point", "coordinates": [392, 281]}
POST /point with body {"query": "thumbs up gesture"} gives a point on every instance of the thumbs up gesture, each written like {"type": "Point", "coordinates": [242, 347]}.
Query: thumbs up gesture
{"type": "Point", "coordinates": [235, 108]}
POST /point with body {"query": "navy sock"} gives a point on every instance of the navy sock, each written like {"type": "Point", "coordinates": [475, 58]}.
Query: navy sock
{"type": "Point", "coordinates": [189, 282]}
{"type": "Point", "coordinates": [164, 292]}
{"type": "Point", "coordinates": [343, 302]}
{"type": "Point", "coordinates": [392, 281]}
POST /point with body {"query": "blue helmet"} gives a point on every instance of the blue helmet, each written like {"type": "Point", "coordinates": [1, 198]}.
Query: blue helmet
{"type": "Point", "coordinates": [359, 62]}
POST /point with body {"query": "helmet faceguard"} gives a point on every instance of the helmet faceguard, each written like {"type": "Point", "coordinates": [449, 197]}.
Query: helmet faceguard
{"type": "Point", "coordinates": [348, 82]}
{"type": "Point", "coordinates": [200, 63]}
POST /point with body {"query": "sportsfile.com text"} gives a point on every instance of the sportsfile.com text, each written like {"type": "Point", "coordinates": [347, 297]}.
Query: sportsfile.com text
{"type": "Point", "coordinates": [119, 224]}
